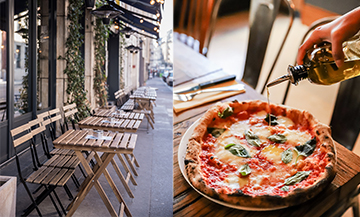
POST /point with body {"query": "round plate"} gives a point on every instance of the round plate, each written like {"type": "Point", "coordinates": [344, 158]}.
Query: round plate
{"type": "Point", "coordinates": [181, 157]}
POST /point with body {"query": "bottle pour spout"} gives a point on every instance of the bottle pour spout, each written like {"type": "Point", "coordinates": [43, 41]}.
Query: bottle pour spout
{"type": "Point", "coordinates": [279, 80]}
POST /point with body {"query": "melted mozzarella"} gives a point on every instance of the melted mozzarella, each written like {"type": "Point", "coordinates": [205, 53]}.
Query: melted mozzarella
{"type": "Point", "coordinates": [233, 181]}
{"type": "Point", "coordinates": [296, 137]}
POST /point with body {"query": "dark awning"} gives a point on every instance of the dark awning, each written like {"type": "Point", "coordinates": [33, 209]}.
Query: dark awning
{"type": "Point", "coordinates": [133, 20]}
{"type": "Point", "coordinates": [143, 5]}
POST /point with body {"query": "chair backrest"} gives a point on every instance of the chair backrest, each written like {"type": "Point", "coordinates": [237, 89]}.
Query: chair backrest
{"type": "Point", "coordinates": [70, 114]}
{"type": "Point", "coordinates": [262, 17]}
{"type": "Point", "coordinates": [197, 20]}
{"type": "Point", "coordinates": [21, 135]}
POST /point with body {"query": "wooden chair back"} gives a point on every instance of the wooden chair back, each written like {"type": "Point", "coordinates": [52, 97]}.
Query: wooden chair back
{"type": "Point", "coordinates": [21, 135]}
{"type": "Point", "coordinates": [262, 16]}
{"type": "Point", "coordinates": [196, 22]}
{"type": "Point", "coordinates": [70, 114]}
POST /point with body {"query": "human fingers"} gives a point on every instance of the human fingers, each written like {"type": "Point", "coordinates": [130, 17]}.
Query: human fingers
{"type": "Point", "coordinates": [315, 38]}
{"type": "Point", "coordinates": [336, 47]}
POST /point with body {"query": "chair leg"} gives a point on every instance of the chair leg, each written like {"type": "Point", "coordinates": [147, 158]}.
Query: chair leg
{"type": "Point", "coordinates": [68, 192]}
{"type": "Point", "coordinates": [75, 181]}
{"type": "Point", "coordinates": [53, 201]}
{"type": "Point", "coordinates": [57, 198]}
{"type": "Point", "coordinates": [82, 171]}
{"type": "Point", "coordinates": [32, 199]}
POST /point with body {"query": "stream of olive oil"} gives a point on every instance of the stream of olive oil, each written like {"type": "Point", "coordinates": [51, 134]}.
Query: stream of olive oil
{"type": "Point", "coordinates": [268, 100]}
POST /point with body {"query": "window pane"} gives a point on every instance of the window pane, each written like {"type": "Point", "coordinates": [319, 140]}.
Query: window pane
{"type": "Point", "coordinates": [3, 67]}
{"type": "Point", "coordinates": [43, 55]}
{"type": "Point", "coordinates": [21, 65]}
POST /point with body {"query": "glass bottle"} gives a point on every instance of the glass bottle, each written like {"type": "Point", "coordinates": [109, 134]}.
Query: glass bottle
{"type": "Point", "coordinates": [319, 66]}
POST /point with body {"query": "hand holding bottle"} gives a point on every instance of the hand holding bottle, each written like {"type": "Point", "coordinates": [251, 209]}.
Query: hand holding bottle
{"type": "Point", "coordinates": [335, 32]}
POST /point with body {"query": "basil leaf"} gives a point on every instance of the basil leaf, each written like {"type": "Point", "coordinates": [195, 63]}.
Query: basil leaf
{"type": "Point", "coordinates": [244, 170]}
{"type": "Point", "coordinates": [272, 119]}
{"type": "Point", "coordinates": [252, 139]}
{"type": "Point", "coordinates": [305, 149]}
{"type": "Point", "coordinates": [298, 177]}
{"type": "Point", "coordinates": [216, 132]}
{"type": "Point", "coordinates": [237, 150]}
{"type": "Point", "coordinates": [285, 188]}
{"type": "Point", "coordinates": [226, 113]}
{"type": "Point", "coordinates": [287, 156]}
{"type": "Point", "coordinates": [229, 145]}
{"type": "Point", "coordinates": [278, 138]}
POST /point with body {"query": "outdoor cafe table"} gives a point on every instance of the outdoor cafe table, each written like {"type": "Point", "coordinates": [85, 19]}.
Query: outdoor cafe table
{"type": "Point", "coordinates": [104, 151]}
{"type": "Point", "coordinates": [187, 202]}
{"type": "Point", "coordinates": [119, 114]}
{"type": "Point", "coordinates": [119, 125]}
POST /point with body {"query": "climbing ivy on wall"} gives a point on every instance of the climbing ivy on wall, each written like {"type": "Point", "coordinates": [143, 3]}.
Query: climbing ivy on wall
{"type": "Point", "coordinates": [75, 67]}
{"type": "Point", "coordinates": [101, 37]}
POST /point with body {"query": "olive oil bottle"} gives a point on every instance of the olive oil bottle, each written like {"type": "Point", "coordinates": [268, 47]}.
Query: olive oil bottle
{"type": "Point", "coordinates": [319, 66]}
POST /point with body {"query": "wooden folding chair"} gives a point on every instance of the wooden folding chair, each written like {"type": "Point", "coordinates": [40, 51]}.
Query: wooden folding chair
{"type": "Point", "coordinates": [70, 114]}
{"type": "Point", "coordinates": [47, 176]}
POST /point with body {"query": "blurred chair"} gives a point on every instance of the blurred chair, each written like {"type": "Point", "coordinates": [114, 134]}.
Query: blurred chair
{"type": "Point", "coordinates": [196, 22]}
{"type": "Point", "coordinates": [262, 16]}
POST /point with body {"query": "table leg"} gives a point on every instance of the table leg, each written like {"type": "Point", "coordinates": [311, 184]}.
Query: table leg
{"type": "Point", "coordinates": [131, 163]}
{"type": "Point", "coordinates": [91, 180]}
{"type": "Point", "coordinates": [113, 187]}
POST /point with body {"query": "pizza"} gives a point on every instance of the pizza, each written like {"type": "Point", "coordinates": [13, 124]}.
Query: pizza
{"type": "Point", "coordinates": [260, 155]}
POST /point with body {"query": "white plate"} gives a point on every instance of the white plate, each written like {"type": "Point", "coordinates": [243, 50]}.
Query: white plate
{"type": "Point", "coordinates": [181, 157]}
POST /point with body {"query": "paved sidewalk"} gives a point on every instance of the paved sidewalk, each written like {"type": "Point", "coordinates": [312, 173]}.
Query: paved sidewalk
{"type": "Point", "coordinates": [153, 194]}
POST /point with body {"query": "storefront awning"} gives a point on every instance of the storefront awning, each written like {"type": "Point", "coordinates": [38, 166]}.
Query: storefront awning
{"type": "Point", "coordinates": [138, 21]}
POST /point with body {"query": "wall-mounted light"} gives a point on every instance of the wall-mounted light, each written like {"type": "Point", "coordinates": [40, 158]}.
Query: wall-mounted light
{"type": "Point", "coordinates": [17, 50]}
{"type": "Point", "coordinates": [133, 49]}
{"type": "Point", "coordinates": [155, 28]}
{"type": "Point", "coordinates": [2, 46]}
{"type": "Point", "coordinates": [157, 14]}
{"type": "Point", "coordinates": [128, 31]}
{"type": "Point", "coordinates": [90, 4]}
{"type": "Point", "coordinates": [141, 20]}
{"type": "Point", "coordinates": [152, 2]}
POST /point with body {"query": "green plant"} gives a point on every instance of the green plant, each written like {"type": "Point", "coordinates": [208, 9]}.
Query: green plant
{"type": "Point", "coordinates": [122, 60]}
{"type": "Point", "coordinates": [75, 68]}
{"type": "Point", "coordinates": [102, 33]}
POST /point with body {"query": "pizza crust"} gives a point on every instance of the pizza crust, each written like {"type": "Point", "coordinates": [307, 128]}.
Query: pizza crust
{"type": "Point", "coordinates": [297, 196]}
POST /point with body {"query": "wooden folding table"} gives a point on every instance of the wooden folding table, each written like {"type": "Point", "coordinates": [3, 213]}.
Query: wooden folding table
{"type": "Point", "coordinates": [110, 144]}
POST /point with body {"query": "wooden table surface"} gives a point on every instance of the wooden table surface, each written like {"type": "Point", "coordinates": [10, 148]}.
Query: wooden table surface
{"type": "Point", "coordinates": [119, 125]}
{"type": "Point", "coordinates": [118, 114]}
{"type": "Point", "coordinates": [187, 202]}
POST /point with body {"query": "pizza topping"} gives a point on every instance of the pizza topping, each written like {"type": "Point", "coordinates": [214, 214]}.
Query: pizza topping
{"type": "Point", "coordinates": [226, 113]}
{"type": "Point", "coordinates": [216, 132]}
{"type": "Point", "coordinates": [271, 119]}
{"type": "Point", "coordinates": [305, 149]}
{"type": "Point", "coordinates": [298, 177]}
{"type": "Point", "coordinates": [278, 138]}
{"type": "Point", "coordinates": [285, 188]}
{"type": "Point", "coordinates": [244, 170]}
{"type": "Point", "coordinates": [252, 139]}
{"type": "Point", "coordinates": [287, 156]}
{"type": "Point", "coordinates": [238, 150]}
